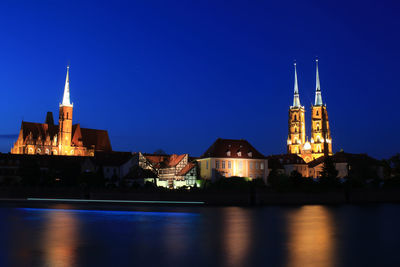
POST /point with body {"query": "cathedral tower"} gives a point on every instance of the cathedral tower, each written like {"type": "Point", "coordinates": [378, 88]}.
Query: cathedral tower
{"type": "Point", "coordinates": [65, 121]}
{"type": "Point", "coordinates": [297, 130]}
{"type": "Point", "coordinates": [321, 141]}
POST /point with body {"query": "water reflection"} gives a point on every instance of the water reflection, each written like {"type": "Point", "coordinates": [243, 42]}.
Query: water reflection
{"type": "Point", "coordinates": [310, 237]}
{"type": "Point", "coordinates": [60, 239]}
{"type": "Point", "coordinates": [236, 235]}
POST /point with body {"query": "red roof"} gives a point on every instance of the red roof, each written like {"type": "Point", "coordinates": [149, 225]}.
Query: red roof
{"type": "Point", "coordinates": [186, 169]}
{"type": "Point", "coordinates": [89, 137]}
{"type": "Point", "coordinates": [164, 161]}
{"type": "Point", "coordinates": [237, 148]}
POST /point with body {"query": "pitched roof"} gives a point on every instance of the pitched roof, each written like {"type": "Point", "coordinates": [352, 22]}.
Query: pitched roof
{"type": "Point", "coordinates": [343, 157]}
{"type": "Point", "coordinates": [221, 147]}
{"type": "Point", "coordinates": [89, 137]}
{"type": "Point", "coordinates": [186, 169]}
{"type": "Point", "coordinates": [38, 129]}
{"type": "Point", "coordinates": [164, 161]}
{"type": "Point", "coordinates": [97, 138]}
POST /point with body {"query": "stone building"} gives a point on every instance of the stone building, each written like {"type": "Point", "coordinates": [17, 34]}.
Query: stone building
{"type": "Point", "coordinates": [320, 143]}
{"type": "Point", "coordinates": [62, 139]}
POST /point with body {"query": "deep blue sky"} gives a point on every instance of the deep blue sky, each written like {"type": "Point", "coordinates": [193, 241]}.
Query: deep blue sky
{"type": "Point", "coordinates": [177, 75]}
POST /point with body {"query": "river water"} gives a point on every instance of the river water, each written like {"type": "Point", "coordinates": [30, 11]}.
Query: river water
{"type": "Point", "coordinates": [310, 235]}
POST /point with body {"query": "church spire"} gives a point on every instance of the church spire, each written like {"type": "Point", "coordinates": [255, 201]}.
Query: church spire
{"type": "Point", "coordinates": [318, 96]}
{"type": "Point", "coordinates": [296, 98]}
{"type": "Point", "coordinates": [66, 98]}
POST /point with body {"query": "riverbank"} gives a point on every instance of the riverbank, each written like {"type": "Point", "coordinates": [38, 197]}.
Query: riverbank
{"type": "Point", "coordinates": [254, 198]}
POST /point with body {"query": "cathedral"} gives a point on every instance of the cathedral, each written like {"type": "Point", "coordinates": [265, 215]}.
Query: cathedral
{"type": "Point", "coordinates": [320, 143]}
{"type": "Point", "coordinates": [62, 139]}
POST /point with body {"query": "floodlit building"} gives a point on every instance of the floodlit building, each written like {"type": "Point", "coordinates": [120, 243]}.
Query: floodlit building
{"type": "Point", "coordinates": [62, 139]}
{"type": "Point", "coordinates": [228, 157]}
{"type": "Point", "coordinates": [173, 171]}
{"type": "Point", "coordinates": [321, 140]}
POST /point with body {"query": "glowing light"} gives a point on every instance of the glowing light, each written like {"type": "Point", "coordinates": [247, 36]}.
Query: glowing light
{"type": "Point", "coordinates": [307, 146]}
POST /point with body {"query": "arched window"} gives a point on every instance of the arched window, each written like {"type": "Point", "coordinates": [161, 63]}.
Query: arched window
{"type": "Point", "coordinates": [295, 117]}
{"type": "Point", "coordinates": [317, 113]}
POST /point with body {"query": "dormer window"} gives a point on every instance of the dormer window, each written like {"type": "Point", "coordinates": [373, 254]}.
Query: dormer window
{"type": "Point", "coordinates": [239, 153]}
{"type": "Point", "coordinates": [250, 154]}
{"type": "Point", "coordinates": [228, 153]}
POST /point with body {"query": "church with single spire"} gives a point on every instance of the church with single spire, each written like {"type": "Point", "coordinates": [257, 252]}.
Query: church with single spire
{"type": "Point", "coordinates": [63, 139]}
{"type": "Point", "coordinates": [320, 143]}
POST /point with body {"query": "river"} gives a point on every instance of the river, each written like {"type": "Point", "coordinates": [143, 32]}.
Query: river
{"type": "Point", "coordinates": [310, 235]}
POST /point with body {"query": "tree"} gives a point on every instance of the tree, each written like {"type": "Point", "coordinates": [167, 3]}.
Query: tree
{"type": "Point", "coordinates": [329, 173]}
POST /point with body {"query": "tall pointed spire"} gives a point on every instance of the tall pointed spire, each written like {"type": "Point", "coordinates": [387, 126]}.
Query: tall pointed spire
{"type": "Point", "coordinates": [318, 96]}
{"type": "Point", "coordinates": [66, 98]}
{"type": "Point", "coordinates": [296, 98]}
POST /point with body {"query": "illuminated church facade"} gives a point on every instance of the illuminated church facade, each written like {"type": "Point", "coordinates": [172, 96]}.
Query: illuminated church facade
{"type": "Point", "coordinates": [320, 143]}
{"type": "Point", "coordinates": [62, 139]}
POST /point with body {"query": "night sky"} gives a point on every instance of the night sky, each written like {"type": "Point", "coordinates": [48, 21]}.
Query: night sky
{"type": "Point", "coordinates": [176, 75]}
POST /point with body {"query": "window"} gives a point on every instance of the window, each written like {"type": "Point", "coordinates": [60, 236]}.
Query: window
{"type": "Point", "coordinates": [228, 153]}
{"type": "Point", "coordinates": [217, 164]}
{"type": "Point", "coordinates": [250, 154]}
{"type": "Point", "coordinates": [223, 164]}
{"type": "Point", "coordinates": [257, 165]}
{"type": "Point", "coordinates": [251, 165]}
{"type": "Point", "coordinates": [262, 165]}
{"type": "Point", "coordinates": [229, 165]}
{"type": "Point", "coordinates": [295, 117]}
{"type": "Point", "coordinates": [239, 153]}
{"type": "Point", "coordinates": [317, 113]}
{"type": "Point", "coordinates": [207, 165]}
{"type": "Point", "coordinates": [240, 165]}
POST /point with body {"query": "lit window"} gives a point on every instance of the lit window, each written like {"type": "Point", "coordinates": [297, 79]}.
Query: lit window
{"type": "Point", "coordinates": [262, 165]}
{"type": "Point", "coordinates": [229, 165]}
{"type": "Point", "coordinates": [251, 165]}
{"type": "Point", "coordinates": [228, 153]}
{"type": "Point", "coordinates": [257, 165]}
{"type": "Point", "coordinates": [240, 165]}
{"type": "Point", "coordinates": [239, 153]}
{"type": "Point", "coordinates": [250, 154]}
{"type": "Point", "coordinates": [223, 164]}
{"type": "Point", "coordinates": [217, 164]}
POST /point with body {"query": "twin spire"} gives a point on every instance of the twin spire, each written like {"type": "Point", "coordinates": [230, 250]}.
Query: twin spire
{"type": "Point", "coordinates": [318, 96]}
{"type": "Point", "coordinates": [296, 99]}
{"type": "Point", "coordinates": [66, 97]}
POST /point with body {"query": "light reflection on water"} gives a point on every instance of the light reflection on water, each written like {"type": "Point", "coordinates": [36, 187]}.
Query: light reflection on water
{"type": "Point", "coordinates": [236, 235]}
{"type": "Point", "coordinates": [311, 237]}
{"type": "Point", "coordinates": [205, 236]}
{"type": "Point", "coordinates": [60, 238]}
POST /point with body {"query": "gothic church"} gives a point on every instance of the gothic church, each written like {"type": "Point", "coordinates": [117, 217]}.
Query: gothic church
{"type": "Point", "coordinates": [62, 139]}
{"type": "Point", "coordinates": [321, 141]}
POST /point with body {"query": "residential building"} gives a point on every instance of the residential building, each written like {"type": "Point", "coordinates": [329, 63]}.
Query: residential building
{"type": "Point", "coordinates": [229, 157]}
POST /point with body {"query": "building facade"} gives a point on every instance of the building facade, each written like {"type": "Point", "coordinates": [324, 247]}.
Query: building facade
{"type": "Point", "coordinates": [172, 171]}
{"type": "Point", "coordinates": [320, 143]}
{"type": "Point", "coordinates": [62, 139]}
{"type": "Point", "coordinates": [228, 158]}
